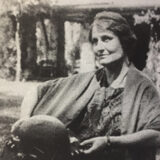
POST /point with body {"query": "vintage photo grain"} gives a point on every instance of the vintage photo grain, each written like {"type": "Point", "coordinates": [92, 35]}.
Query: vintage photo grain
{"type": "Point", "coordinates": [79, 80]}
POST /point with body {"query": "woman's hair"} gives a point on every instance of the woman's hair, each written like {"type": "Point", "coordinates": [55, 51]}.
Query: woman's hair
{"type": "Point", "coordinates": [119, 26]}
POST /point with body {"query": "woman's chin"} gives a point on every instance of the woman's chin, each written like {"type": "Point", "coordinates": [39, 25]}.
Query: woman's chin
{"type": "Point", "coordinates": [106, 62]}
{"type": "Point", "coordinates": [110, 60]}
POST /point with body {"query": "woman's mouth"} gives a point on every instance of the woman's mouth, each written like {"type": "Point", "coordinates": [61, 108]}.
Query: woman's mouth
{"type": "Point", "coordinates": [103, 55]}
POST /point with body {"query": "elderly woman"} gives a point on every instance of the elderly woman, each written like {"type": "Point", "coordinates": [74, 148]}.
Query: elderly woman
{"type": "Point", "coordinates": [115, 111]}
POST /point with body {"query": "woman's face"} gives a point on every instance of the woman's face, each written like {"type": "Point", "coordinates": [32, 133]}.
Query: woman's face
{"type": "Point", "coordinates": [106, 45]}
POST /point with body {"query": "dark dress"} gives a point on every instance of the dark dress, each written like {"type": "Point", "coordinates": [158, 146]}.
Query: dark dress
{"type": "Point", "coordinates": [101, 120]}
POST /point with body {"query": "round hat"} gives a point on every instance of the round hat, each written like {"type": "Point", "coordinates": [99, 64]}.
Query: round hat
{"type": "Point", "coordinates": [43, 136]}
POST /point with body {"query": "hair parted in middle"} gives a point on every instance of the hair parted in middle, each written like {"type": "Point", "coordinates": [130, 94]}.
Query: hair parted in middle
{"type": "Point", "coordinates": [114, 22]}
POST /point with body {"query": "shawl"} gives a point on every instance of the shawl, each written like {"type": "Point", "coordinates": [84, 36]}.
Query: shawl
{"type": "Point", "coordinates": [67, 97]}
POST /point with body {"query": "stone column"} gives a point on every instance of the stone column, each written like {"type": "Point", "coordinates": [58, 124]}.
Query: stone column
{"type": "Point", "coordinates": [28, 47]}
{"type": "Point", "coordinates": [61, 65]}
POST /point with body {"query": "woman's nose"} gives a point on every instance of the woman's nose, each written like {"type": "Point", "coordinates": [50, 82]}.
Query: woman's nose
{"type": "Point", "coordinates": [99, 47]}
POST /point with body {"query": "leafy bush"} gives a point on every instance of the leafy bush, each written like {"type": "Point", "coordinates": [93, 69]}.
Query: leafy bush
{"type": "Point", "coordinates": [152, 19]}
{"type": "Point", "coordinates": [7, 48]}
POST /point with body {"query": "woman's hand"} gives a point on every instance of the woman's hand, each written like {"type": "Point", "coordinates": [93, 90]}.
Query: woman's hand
{"type": "Point", "coordinates": [75, 146]}
{"type": "Point", "coordinates": [94, 144]}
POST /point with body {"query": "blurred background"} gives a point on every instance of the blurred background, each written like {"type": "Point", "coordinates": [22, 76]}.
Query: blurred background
{"type": "Point", "coordinates": [47, 39]}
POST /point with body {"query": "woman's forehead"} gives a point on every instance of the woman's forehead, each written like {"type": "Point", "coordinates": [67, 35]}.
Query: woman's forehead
{"type": "Point", "coordinates": [98, 32]}
{"type": "Point", "coordinates": [101, 25]}
{"type": "Point", "coordinates": [100, 28]}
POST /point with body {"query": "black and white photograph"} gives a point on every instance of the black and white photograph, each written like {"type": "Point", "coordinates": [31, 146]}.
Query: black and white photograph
{"type": "Point", "coordinates": [79, 80]}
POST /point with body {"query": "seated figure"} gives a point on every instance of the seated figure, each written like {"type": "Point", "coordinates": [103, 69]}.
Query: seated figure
{"type": "Point", "coordinates": [113, 112]}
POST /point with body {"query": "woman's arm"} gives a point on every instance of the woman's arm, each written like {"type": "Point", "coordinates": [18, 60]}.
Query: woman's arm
{"type": "Point", "coordinates": [143, 138]}
{"type": "Point", "coordinates": [34, 95]}
{"type": "Point", "coordinates": [29, 102]}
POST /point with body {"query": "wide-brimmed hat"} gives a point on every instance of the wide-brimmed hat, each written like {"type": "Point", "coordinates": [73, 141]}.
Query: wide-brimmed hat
{"type": "Point", "coordinates": [41, 136]}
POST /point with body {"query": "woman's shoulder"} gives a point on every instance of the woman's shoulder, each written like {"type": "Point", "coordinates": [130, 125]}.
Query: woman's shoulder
{"type": "Point", "coordinates": [73, 79]}
{"type": "Point", "coordinates": [136, 78]}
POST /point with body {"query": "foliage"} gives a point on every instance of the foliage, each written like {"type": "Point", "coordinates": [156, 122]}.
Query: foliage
{"type": "Point", "coordinates": [152, 19]}
{"type": "Point", "coordinates": [7, 48]}
{"type": "Point", "coordinates": [36, 7]}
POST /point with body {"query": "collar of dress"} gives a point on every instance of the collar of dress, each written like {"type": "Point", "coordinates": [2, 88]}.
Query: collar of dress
{"type": "Point", "coordinates": [120, 81]}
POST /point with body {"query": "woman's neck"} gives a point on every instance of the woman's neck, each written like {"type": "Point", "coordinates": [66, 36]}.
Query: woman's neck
{"type": "Point", "coordinates": [113, 70]}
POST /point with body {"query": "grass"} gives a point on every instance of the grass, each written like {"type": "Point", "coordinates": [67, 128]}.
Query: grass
{"type": "Point", "coordinates": [11, 96]}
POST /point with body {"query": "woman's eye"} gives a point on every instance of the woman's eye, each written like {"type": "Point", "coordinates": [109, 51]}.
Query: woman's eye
{"type": "Point", "coordinates": [106, 38]}
{"type": "Point", "coordinates": [94, 41]}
